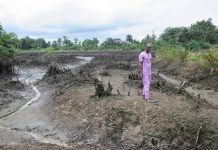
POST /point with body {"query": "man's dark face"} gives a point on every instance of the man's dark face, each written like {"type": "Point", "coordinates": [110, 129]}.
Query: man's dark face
{"type": "Point", "coordinates": [148, 49]}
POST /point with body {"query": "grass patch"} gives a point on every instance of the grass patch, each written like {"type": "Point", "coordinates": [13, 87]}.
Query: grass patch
{"type": "Point", "coordinates": [171, 54]}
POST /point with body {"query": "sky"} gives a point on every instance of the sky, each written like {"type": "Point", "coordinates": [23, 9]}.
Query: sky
{"type": "Point", "coordinates": [83, 19]}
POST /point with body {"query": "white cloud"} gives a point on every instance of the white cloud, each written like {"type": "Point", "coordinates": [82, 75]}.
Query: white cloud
{"type": "Point", "coordinates": [53, 18]}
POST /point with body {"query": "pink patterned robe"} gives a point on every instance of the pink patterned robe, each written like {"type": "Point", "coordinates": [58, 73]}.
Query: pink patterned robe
{"type": "Point", "coordinates": [145, 59]}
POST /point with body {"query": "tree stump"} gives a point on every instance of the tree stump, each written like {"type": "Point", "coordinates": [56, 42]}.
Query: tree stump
{"type": "Point", "coordinates": [100, 89]}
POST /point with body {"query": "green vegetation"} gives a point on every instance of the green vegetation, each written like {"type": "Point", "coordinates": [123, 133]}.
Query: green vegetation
{"type": "Point", "coordinates": [28, 43]}
{"type": "Point", "coordinates": [201, 35]}
{"type": "Point", "coordinates": [8, 42]}
{"type": "Point", "coordinates": [171, 55]}
{"type": "Point", "coordinates": [195, 44]}
{"type": "Point", "coordinates": [211, 59]}
{"type": "Point", "coordinates": [194, 47]}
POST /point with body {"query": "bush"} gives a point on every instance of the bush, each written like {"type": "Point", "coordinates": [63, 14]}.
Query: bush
{"type": "Point", "coordinates": [211, 59]}
{"type": "Point", "coordinates": [7, 52]}
{"type": "Point", "coordinates": [193, 45]}
{"type": "Point", "coordinates": [204, 45]}
{"type": "Point", "coordinates": [171, 53]}
{"type": "Point", "coordinates": [215, 46]}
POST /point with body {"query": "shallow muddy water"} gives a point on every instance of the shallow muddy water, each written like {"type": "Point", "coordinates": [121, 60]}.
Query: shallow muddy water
{"type": "Point", "coordinates": [31, 117]}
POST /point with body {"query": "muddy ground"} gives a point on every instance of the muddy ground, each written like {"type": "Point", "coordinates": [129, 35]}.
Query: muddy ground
{"type": "Point", "coordinates": [73, 118]}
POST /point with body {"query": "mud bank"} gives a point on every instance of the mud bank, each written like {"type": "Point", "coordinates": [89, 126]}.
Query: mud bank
{"type": "Point", "coordinates": [128, 122]}
{"type": "Point", "coordinates": [43, 59]}
{"type": "Point", "coordinates": [124, 120]}
{"type": "Point", "coordinates": [31, 118]}
{"type": "Point", "coordinates": [75, 119]}
{"type": "Point", "coordinates": [193, 90]}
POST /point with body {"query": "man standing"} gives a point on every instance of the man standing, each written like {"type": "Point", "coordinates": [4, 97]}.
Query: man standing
{"type": "Point", "coordinates": [145, 59]}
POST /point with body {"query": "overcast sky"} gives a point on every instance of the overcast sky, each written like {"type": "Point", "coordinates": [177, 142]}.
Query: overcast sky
{"type": "Point", "coordinates": [83, 19]}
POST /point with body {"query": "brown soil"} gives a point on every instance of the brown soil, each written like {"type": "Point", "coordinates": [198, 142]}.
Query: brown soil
{"type": "Point", "coordinates": [123, 120]}
{"type": "Point", "coordinates": [191, 73]}
{"type": "Point", "coordinates": [128, 122]}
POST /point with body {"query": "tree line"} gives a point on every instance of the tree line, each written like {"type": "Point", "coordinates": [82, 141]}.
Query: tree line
{"type": "Point", "coordinates": [64, 43]}
{"type": "Point", "coordinates": [200, 35]}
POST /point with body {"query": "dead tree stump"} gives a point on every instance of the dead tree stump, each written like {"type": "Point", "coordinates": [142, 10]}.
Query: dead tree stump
{"type": "Point", "coordinates": [100, 89]}
{"type": "Point", "coordinates": [55, 69]}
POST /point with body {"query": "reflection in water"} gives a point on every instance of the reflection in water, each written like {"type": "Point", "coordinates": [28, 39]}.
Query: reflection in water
{"type": "Point", "coordinates": [86, 59]}
{"type": "Point", "coordinates": [31, 116]}
{"type": "Point", "coordinates": [34, 74]}
{"type": "Point", "coordinates": [31, 75]}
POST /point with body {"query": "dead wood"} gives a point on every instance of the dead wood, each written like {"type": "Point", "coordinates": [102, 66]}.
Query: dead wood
{"type": "Point", "coordinates": [100, 89]}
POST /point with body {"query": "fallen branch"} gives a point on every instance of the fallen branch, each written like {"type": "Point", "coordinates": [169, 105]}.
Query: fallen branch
{"type": "Point", "coordinates": [79, 137]}
{"type": "Point", "coordinates": [128, 93]}
{"type": "Point", "coordinates": [85, 130]}
{"type": "Point", "coordinates": [183, 84]}
{"type": "Point", "coordinates": [198, 134]}
{"type": "Point", "coordinates": [179, 90]}
{"type": "Point", "coordinates": [118, 91]}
